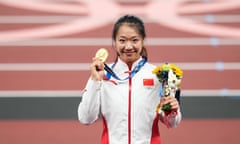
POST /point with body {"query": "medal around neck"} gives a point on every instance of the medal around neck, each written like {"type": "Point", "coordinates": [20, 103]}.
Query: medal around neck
{"type": "Point", "coordinates": [102, 54]}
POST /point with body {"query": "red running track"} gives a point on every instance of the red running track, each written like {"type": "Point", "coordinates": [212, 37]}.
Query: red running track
{"type": "Point", "coordinates": [190, 131]}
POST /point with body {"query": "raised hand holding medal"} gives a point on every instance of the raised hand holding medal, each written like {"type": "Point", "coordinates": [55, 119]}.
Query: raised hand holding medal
{"type": "Point", "coordinates": [102, 54]}
{"type": "Point", "coordinates": [98, 63]}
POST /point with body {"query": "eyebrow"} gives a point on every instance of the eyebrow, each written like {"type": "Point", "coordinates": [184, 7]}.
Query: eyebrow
{"type": "Point", "coordinates": [130, 37]}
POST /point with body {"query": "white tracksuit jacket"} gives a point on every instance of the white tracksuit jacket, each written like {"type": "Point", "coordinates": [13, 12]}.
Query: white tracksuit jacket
{"type": "Point", "coordinates": [127, 107]}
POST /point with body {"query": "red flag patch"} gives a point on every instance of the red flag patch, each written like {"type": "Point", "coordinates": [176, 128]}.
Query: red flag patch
{"type": "Point", "coordinates": [148, 82]}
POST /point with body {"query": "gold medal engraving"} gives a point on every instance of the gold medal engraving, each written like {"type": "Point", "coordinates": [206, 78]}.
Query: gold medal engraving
{"type": "Point", "coordinates": [102, 54]}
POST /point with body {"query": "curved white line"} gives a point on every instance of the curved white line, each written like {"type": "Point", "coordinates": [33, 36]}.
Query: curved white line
{"type": "Point", "coordinates": [165, 12]}
{"type": "Point", "coordinates": [215, 6]}
{"type": "Point", "coordinates": [101, 13]}
{"type": "Point", "coordinates": [94, 20]}
{"type": "Point", "coordinates": [46, 6]}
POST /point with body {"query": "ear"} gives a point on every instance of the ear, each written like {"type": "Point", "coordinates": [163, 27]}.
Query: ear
{"type": "Point", "coordinates": [114, 48]}
{"type": "Point", "coordinates": [144, 42]}
{"type": "Point", "coordinates": [114, 45]}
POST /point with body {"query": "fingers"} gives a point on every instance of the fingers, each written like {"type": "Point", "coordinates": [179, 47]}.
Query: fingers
{"type": "Point", "coordinates": [97, 64]}
{"type": "Point", "coordinates": [97, 68]}
{"type": "Point", "coordinates": [170, 100]}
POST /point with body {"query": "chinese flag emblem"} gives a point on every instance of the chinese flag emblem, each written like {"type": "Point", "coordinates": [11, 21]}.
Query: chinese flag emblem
{"type": "Point", "coordinates": [148, 82]}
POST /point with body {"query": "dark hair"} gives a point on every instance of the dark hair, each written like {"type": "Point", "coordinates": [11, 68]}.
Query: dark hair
{"type": "Point", "coordinates": [134, 22]}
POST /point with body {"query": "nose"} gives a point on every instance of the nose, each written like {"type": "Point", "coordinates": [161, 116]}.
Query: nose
{"type": "Point", "coordinates": [128, 45]}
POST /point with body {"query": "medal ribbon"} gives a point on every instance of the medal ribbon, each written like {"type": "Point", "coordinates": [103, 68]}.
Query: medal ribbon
{"type": "Point", "coordinates": [110, 72]}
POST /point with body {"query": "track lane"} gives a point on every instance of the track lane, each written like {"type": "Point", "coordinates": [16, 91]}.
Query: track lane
{"type": "Point", "coordinates": [75, 80]}
{"type": "Point", "coordinates": [191, 131]}
{"type": "Point", "coordinates": [84, 54]}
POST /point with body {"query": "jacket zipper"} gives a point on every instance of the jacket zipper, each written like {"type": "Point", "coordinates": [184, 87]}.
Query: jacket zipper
{"type": "Point", "coordinates": [129, 110]}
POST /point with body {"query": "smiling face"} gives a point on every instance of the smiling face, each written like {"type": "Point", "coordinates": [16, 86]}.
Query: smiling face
{"type": "Point", "coordinates": [128, 43]}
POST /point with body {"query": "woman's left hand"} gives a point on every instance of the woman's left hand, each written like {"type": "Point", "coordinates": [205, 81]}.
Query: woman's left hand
{"type": "Point", "coordinates": [169, 100]}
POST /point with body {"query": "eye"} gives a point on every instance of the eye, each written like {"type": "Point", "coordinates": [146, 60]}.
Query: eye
{"type": "Point", "coordinates": [121, 40]}
{"type": "Point", "coordinates": [135, 40]}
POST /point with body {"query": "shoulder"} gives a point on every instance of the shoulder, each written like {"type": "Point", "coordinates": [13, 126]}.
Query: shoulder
{"type": "Point", "coordinates": [148, 68]}
{"type": "Point", "coordinates": [150, 65]}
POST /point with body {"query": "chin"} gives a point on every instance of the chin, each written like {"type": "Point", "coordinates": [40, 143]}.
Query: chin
{"type": "Point", "coordinates": [131, 60]}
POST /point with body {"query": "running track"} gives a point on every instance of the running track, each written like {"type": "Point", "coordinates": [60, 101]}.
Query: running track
{"type": "Point", "coordinates": [46, 48]}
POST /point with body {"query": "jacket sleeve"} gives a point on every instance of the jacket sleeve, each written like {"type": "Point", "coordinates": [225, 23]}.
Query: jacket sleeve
{"type": "Point", "coordinates": [171, 120]}
{"type": "Point", "coordinates": [89, 107]}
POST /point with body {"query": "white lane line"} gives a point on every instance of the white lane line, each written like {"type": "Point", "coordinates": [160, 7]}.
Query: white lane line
{"type": "Point", "coordinates": [33, 19]}
{"type": "Point", "coordinates": [216, 18]}
{"type": "Point", "coordinates": [150, 41]}
{"type": "Point", "coordinates": [85, 66]}
{"type": "Point", "coordinates": [46, 19]}
{"type": "Point", "coordinates": [78, 93]}
{"type": "Point", "coordinates": [44, 66]}
{"type": "Point", "coordinates": [209, 93]}
{"type": "Point", "coordinates": [41, 93]}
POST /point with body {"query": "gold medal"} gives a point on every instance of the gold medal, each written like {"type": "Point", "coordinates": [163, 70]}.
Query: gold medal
{"type": "Point", "coordinates": [102, 54]}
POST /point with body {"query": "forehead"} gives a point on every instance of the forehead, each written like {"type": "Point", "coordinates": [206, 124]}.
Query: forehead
{"type": "Point", "coordinates": [127, 30]}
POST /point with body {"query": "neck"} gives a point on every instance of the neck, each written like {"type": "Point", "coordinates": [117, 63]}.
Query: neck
{"type": "Point", "coordinates": [130, 65]}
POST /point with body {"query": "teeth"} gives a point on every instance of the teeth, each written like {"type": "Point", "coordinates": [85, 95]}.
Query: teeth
{"type": "Point", "coordinates": [129, 51]}
{"type": "Point", "coordinates": [102, 54]}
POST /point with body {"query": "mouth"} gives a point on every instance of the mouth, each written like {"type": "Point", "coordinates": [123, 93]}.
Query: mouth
{"type": "Point", "coordinates": [129, 51]}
